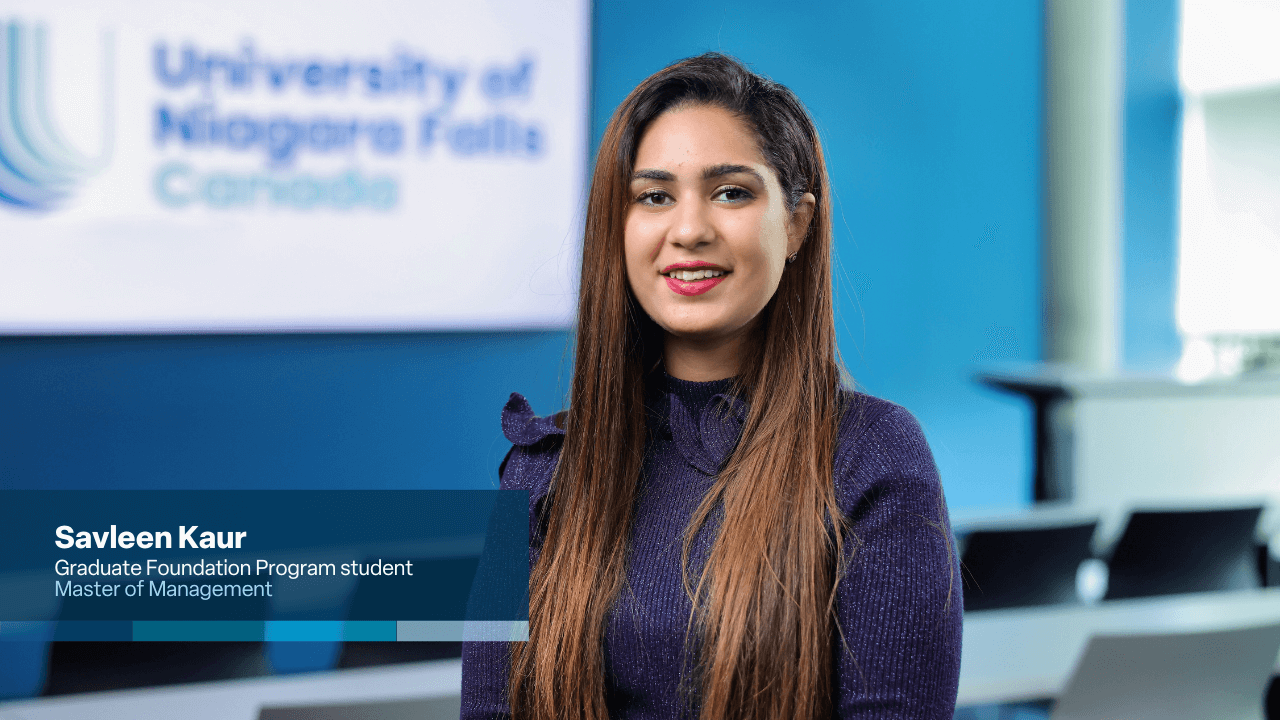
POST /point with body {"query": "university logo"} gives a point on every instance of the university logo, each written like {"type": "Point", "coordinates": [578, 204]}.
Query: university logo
{"type": "Point", "coordinates": [38, 167]}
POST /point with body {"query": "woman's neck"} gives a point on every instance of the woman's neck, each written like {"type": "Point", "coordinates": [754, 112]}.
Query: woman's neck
{"type": "Point", "coordinates": [701, 359]}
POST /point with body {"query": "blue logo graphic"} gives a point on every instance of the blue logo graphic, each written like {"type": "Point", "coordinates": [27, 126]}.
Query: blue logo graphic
{"type": "Point", "coordinates": [38, 167]}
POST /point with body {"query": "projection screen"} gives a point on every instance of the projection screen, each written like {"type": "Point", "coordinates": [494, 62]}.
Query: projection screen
{"type": "Point", "coordinates": [285, 165]}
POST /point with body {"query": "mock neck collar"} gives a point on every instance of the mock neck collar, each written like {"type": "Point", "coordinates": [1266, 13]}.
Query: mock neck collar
{"type": "Point", "coordinates": [693, 391]}
{"type": "Point", "coordinates": [704, 418]}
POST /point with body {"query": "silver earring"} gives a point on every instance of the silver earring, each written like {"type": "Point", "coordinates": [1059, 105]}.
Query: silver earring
{"type": "Point", "coordinates": [792, 257]}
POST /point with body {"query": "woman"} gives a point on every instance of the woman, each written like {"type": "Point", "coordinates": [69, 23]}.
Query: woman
{"type": "Point", "coordinates": [718, 529]}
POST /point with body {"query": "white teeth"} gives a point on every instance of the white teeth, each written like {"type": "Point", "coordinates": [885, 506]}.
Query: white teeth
{"type": "Point", "coordinates": [692, 275]}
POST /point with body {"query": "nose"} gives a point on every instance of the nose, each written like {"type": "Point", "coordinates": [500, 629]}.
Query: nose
{"type": "Point", "coordinates": [692, 226]}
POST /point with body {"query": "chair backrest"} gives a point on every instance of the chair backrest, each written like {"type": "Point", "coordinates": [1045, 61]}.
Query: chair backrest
{"type": "Point", "coordinates": [1183, 551]}
{"type": "Point", "coordinates": [1012, 567]}
{"type": "Point", "coordinates": [1221, 675]}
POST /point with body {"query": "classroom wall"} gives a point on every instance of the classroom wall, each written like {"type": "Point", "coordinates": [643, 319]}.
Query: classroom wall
{"type": "Point", "coordinates": [410, 410]}
{"type": "Point", "coordinates": [931, 118]}
{"type": "Point", "coordinates": [1153, 118]}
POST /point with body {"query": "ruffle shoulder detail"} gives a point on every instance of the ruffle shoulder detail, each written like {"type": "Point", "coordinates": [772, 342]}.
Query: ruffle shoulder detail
{"type": "Point", "coordinates": [522, 427]}
{"type": "Point", "coordinates": [532, 460]}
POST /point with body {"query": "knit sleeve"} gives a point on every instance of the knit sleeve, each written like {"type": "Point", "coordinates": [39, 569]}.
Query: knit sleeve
{"type": "Point", "coordinates": [529, 465]}
{"type": "Point", "coordinates": [898, 604]}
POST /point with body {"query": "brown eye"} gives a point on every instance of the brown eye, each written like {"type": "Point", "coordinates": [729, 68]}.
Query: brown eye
{"type": "Point", "coordinates": [654, 198]}
{"type": "Point", "coordinates": [732, 195]}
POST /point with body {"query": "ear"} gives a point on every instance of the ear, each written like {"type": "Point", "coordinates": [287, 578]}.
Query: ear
{"type": "Point", "coordinates": [798, 225]}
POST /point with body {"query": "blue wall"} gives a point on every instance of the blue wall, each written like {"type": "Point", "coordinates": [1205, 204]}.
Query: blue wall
{"type": "Point", "coordinates": [930, 112]}
{"type": "Point", "coordinates": [1153, 117]}
{"type": "Point", "coordinates": [277, 411]}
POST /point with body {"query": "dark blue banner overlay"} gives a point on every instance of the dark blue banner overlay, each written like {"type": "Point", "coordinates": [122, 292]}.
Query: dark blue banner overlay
{"type": "Point", "coordinates": [264, 565]}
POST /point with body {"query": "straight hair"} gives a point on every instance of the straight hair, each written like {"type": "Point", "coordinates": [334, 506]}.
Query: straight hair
{"type": "Point", "coordinates": [764, 598]}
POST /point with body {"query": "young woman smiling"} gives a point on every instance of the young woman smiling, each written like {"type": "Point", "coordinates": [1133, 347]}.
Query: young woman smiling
{"type": "Point", "coordinates": [718, 529]}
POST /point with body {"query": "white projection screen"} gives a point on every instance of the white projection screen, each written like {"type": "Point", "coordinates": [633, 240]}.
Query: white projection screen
{"type": "Point", "coordinates": [282, 165]}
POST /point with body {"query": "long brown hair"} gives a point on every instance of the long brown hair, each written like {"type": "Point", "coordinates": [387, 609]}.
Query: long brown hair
{"type": "Point", "coordinates": [764, 597]}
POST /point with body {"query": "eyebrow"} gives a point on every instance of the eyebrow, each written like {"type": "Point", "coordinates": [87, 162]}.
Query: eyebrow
{"type": "Point", "coordinates": [662, 175]}
{"type": "Point", "coordinates": [716, 171]}
{"type": "Point", "coordinates": [709, 173]}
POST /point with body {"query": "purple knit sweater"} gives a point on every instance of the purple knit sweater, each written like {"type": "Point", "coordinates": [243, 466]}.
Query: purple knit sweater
{"type": "Point", "coordinates": [899, 605]}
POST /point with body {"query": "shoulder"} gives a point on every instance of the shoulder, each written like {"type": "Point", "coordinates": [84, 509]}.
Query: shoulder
{"type": "Point", "coordinates": [872, 428]}
{"type": "Point", "coordinates": [882, 456]}
{"type": "Point", "coordinates": [888, 487]}
{"type": "Point", "coordinates": [536, 442]}
{"type": "Point", "coordinates": [899, 599]}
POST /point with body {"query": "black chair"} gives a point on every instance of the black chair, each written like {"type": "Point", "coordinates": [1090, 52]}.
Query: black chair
{"type": "Point", "coordinates": [96, 666]}
{"type": "Point", "coordinates": [1185, 551]}
{"type": "Point", "coordinates": [1268, 567]}
{"type": "Point", "coordinates": [1023, 566]}
{"type": "Point", "coordinates": [77, 667]}
{"type": "Point", "coordinates": [1272, 700]}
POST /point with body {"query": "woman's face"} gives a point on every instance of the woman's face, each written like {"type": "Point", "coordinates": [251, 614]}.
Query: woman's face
{"type": "Point", "coordinates": [708, 232]}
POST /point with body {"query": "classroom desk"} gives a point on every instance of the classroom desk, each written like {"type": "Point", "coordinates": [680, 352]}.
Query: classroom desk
{"type": "Point", "coordinates": [241, 699]}
{"type": "Point", "coordinates": [1030, 653]}
{"type": "Point", "coordinates": [1009, 655]}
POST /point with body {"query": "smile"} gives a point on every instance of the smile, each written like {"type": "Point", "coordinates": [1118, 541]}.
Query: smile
{"type": "Point", "coordinates": [694, 287]}
{"type": "Point", "coordinates": [693, 278]}
{"type": "Point", "coordinates": [694, 275]}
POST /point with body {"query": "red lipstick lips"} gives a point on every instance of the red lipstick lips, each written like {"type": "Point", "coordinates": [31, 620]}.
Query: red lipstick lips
{"type": "Point", "coordinates": [693, 287]}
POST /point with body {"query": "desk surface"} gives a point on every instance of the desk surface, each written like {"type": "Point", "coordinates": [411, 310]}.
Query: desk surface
{"type": "Point", "coordinates": [241, 699]}
{"type": "Point", "coordinates": [1029, 653]}
{"type": "Point", "coordinates": [1011, 654]}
